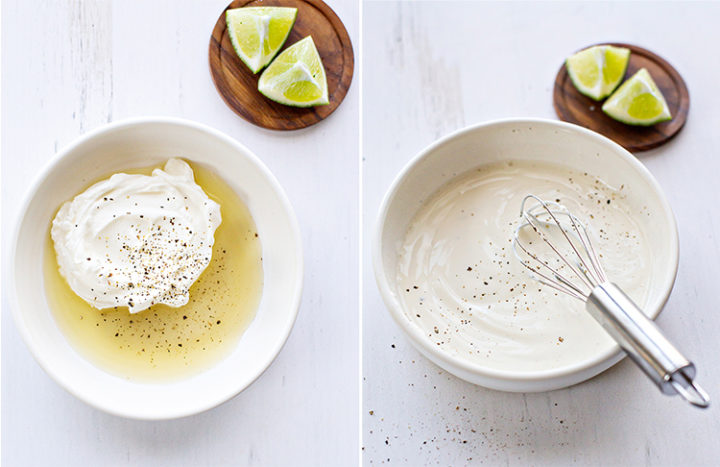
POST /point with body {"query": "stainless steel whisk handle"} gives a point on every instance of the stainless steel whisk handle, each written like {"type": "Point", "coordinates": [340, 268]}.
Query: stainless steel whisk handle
{"type": "Point", "coordinates": [644, 343]}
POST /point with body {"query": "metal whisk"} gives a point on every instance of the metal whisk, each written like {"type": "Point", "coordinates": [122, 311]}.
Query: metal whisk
{"type": "Point", "coordinates": [576, 271]}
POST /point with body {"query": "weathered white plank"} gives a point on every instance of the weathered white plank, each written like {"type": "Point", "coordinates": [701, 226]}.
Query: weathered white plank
{"type": "Point", "coordinates": [71, 66]}
{"type": "Point", "coordinates": [433, 67]}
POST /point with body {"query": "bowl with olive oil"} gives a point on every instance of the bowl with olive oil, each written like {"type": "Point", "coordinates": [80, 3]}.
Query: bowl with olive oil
{"type": "Point", "coordinates": [173, 358]}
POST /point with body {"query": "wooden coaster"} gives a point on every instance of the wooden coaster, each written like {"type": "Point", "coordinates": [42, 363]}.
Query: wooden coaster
{"type": "Point", "coordinates": [237, 85]}
{"type": "Point", "coordinates": [573, 107]}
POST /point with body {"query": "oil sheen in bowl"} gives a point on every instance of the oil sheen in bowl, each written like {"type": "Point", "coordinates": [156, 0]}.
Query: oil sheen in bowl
{"type": "Point", "coordinates": [460, 284]}
{"type": "Point", "coordinates": [165, 343]}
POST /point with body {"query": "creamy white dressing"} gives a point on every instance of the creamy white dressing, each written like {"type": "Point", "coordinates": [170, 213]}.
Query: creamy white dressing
{"type": "Point", "coordinates": [461, 285]}
{"type": "Point", "coordinates": [136, 240]}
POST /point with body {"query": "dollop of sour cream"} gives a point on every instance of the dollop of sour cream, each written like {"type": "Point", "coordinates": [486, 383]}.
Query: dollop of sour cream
{"type": "Point", "coordinates": [137, 240]}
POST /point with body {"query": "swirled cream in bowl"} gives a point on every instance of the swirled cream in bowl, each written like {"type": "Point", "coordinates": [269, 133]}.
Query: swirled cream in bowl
{"type": "Point", "coordinates": [444, 260]}
{"type": "Point", "coordinates": [157, 268]}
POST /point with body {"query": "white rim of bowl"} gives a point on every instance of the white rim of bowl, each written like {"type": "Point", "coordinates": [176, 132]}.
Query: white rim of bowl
{"type": "Point", "coordinates": [40, 179]}
{"type": "Point", "coordinates": [395, 308]}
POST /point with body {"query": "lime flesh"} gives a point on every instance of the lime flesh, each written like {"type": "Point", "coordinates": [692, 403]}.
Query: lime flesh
{"type": "Point", "coordinates": [598, 70]}
{"type": "Point", "coordinates": [258, 33]}
{"type": "Point", "coordinates": [296, 77]}
{"type": "Point", "coordinates": [638, 102]}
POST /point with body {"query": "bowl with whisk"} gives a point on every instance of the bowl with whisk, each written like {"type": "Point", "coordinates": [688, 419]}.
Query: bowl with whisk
{"type": "Point", "coordinates": [535, 141]}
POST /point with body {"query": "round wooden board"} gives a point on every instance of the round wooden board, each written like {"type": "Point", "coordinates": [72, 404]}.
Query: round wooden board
{"type": "Point", "coordinates": [573, 107]}
{"type": "Point", "coordinates": [237, 85]}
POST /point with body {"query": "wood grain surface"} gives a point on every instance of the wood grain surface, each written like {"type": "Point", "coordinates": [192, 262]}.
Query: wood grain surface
{"type": "Point", "coordinates": [574, 107]}
{"type": "Point", "coordinates": [237, 85]}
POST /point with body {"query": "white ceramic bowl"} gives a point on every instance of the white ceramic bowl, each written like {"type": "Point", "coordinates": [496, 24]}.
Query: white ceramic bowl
{"type": "Point", "coordinates": [138, 143]}
{"type": "Point", "coordinates": [524, 139]}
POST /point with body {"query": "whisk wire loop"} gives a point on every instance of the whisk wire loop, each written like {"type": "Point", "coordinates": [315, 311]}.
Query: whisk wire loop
{"type": "Point", "coordinates": [557, 282]}
{"type": "Point", "coordinates": [587, 267]}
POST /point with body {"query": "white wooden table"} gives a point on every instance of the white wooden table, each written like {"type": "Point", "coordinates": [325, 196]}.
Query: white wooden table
{"type": "Point", "coordinates": [433, 67]}
{"type": "Point", "coordinates": [69, 67]}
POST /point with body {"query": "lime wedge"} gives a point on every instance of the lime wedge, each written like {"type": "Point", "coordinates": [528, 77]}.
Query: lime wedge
{"type": "Point", "coordinates": [296, 77]}
{"type": "Point", "coordinates": [598, 70]}
{"type": "Point", "coordinates": [638, 102]}
{"type": "Point", "coordinates": [258, 33]}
